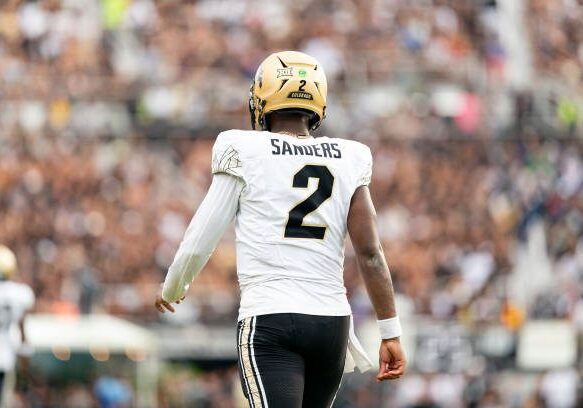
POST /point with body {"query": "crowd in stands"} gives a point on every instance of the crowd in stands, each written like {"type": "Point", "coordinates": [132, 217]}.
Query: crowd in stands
{"type": "Point", "coordinates": [109, 109]}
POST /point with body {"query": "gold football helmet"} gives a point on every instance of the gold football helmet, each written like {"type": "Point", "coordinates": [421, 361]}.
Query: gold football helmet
{"type": "Point", "coordinates": [288, 80]}
{"type": "Point", "coordinates": [7, 263]}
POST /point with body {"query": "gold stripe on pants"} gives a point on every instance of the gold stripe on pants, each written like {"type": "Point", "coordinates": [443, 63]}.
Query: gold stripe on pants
{"type": "Point", "coordinates": [254, 392]}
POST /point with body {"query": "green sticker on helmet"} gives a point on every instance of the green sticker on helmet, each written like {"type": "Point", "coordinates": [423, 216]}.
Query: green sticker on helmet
{"type": "Point", "coordinates": [302, 73]}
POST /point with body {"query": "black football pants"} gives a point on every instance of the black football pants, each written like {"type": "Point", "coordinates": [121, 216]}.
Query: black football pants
{"type": "Point", "coordinates": [291, 360]}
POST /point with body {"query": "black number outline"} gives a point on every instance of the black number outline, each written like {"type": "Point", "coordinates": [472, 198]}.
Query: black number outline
{"type": "Point", "coordinates": [302, 85]}
{"type": "Point", "coordinates": [295, 227]}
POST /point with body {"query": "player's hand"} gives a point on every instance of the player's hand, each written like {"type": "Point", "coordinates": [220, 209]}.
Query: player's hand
{"type": "Point", "coordinates": [391, 360]}
{"type": "Point", "coordinates": [163, 305]}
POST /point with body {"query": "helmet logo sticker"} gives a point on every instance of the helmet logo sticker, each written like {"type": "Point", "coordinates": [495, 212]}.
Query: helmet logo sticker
{"type": "Point", "coordinates": [285, 72]}
{"type": "Point", "coordinates": [301, 95]}
{"type": "Point", "coordinates": [302, 73]}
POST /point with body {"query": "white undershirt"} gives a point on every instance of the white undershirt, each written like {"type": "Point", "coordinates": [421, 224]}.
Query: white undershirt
{"type": "Point", "coordinates": [208, 225]}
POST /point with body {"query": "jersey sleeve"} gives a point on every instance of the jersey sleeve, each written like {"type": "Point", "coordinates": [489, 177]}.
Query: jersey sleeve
{"type": "Point", "coordinates": [364, 166]}
{"type": "Point", "coordinates": [207, 227]}
{"type": "Point", "coordinates": [227, 155]}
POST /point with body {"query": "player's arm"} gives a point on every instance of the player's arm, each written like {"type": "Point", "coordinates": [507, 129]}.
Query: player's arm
{"type": "Point", "coordinates": [26, 350]}
{"type": "Point", "coordinates": [22, 331]}
{"type": "Point", "coordinates": [377, 278]}
{"type": "Point", "coordinates": [27, 303]}
{"type": "Point", "coordinates": [208, 225]}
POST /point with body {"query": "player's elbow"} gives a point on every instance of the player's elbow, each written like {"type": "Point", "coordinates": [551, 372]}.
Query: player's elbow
{"type": "Point", "coordinates": [370, 254]}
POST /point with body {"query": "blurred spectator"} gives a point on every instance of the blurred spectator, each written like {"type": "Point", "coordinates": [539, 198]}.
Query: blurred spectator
{"type": "Point", "coordinates": [111, 392]}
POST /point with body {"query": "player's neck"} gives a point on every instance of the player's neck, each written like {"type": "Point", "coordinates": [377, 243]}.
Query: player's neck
{"type": "Point", "coordinates": [292, 125]}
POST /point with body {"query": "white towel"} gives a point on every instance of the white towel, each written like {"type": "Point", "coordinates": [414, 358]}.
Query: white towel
{"type": "Point", "coordinates": [355, 354]}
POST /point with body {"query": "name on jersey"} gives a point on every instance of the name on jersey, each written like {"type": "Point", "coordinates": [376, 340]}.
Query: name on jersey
{"type": "Point", "coordinates": [282, 148]}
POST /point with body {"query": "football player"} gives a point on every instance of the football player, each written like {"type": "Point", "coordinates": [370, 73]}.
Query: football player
{"type": "Point", "coordinates": [293, 198]}
{"type": "Point", "coordinates": [15, 300]}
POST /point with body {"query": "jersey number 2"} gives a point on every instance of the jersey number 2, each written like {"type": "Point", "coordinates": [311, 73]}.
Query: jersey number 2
{"type": "Point", "coordinates": [295, 227]}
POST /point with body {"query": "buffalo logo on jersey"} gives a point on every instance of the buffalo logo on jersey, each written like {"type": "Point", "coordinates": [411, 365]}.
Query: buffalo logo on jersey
{"type": "Point", "coordinates": [288, 80]}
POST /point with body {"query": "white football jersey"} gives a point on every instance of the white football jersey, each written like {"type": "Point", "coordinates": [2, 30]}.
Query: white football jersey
{"type": "Point", "coordinates": [15, 300]}
{"type": "Point", "coordinates": [292, 219]}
